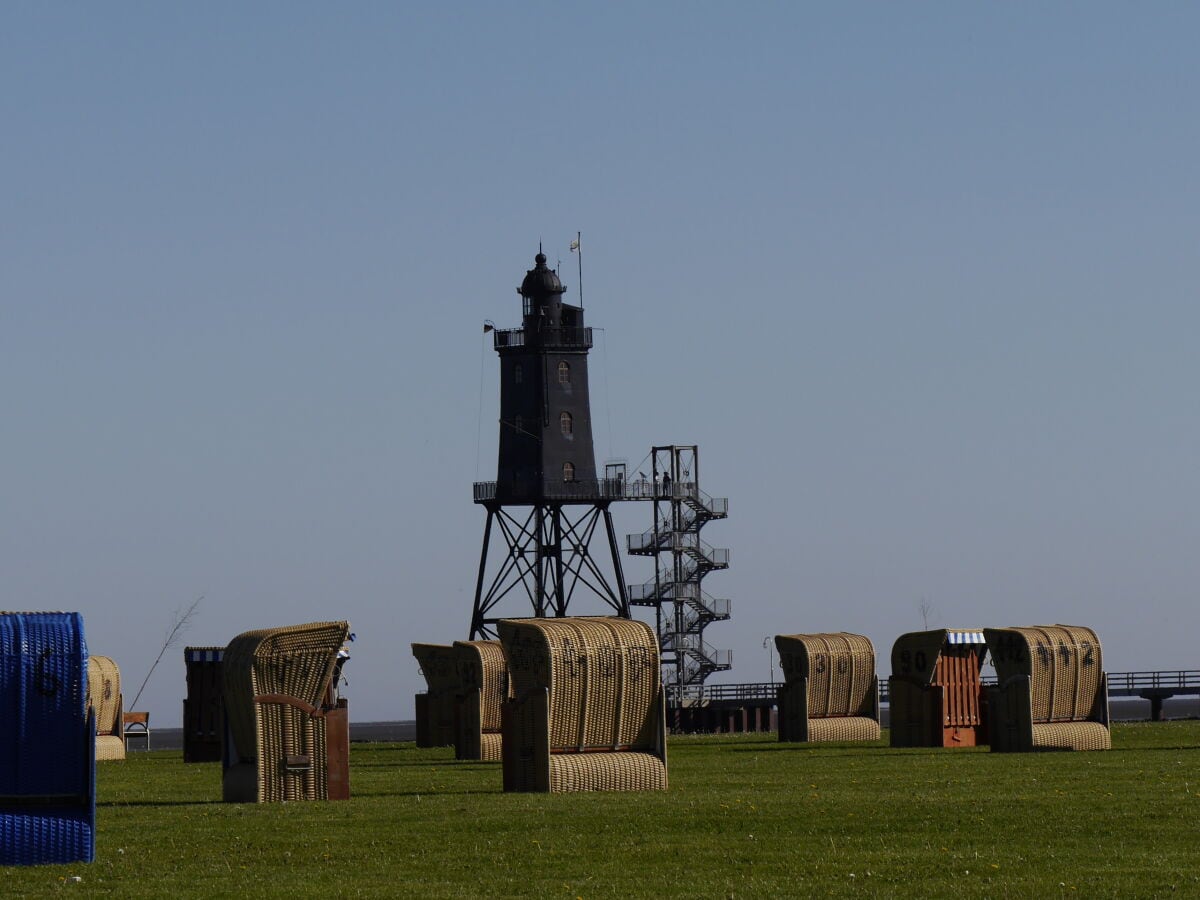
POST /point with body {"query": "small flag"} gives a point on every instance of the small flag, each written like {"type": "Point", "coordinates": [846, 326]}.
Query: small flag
{"type": "Point", "coordinates": [574, 245]}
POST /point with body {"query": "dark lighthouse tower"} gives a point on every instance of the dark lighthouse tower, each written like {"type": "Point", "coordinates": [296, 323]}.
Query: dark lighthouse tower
{"type": "Point", "coordinates": [547, 501]}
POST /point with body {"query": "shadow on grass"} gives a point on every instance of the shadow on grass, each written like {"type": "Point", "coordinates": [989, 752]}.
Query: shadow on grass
{"type": "Point", "coordinates": [457, 764]}
{"type": "Point", "coordinates": [826, 750]}
{"type": "Point", "coordinates": [431, 793]}
{"type": "Point", "coordinates": [819, 749]}
{"type": "Point", "coordinates": [114, 804]}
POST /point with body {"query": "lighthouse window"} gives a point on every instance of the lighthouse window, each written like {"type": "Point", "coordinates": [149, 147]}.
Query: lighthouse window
{"type": "Point", "coordinates": [566, 424]}
{"type": "Point", "coordinates": [518, 373]}
{"type": "Point", "coordinates": [518, 424]}
{"type": "Point", "coordinates": [568, 471]}
{"type": "Point", "coordinates": [564, 373]}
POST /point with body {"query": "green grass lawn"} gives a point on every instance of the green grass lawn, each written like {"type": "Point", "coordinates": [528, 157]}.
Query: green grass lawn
{"type": "Point", "coordinates": [745, 816]}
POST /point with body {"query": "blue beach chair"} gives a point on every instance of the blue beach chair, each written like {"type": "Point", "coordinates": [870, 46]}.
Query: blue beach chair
{"type": "Point", "coordinates": [47, 741]}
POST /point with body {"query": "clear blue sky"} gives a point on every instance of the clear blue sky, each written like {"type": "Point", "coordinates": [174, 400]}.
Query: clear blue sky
{"type": "Point", "coordinates": [919, 279]}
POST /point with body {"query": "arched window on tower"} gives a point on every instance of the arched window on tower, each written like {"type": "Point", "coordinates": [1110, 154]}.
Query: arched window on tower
{"type": "Point", "coordinates": [564, 373]}
{"type": "Point", "coordinates": [518, 373]}
{"type": "Point", "coordinates": [567, 424]}
{"type": "Point", "coordinates": [568, 471]}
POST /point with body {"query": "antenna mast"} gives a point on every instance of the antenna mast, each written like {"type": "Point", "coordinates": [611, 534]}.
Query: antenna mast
{"type": "Point", "coordinates": [577, 246]}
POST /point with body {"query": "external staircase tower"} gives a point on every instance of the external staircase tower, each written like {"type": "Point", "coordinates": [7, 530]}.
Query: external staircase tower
{"type": "Point", "coordinates": [683, 609]}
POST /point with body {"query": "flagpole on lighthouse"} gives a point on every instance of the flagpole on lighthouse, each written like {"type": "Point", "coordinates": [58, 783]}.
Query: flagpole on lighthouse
{"type": "Point", "coordinates": [577, 249]}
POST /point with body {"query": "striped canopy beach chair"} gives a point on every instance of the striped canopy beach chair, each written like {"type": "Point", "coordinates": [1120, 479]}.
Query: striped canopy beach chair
{"type": "Point", "coordinates": [288, 739]}
{"type": "Point", "coordinates": [204, 705]}
{"type": "Point", "coordinates": [1052, 691]}
{"type": "Point", "coordinates": [107, 704]}
{"type": "Point", "coordinates": [47, 741]}
{"type": "Point", "coordinates": [830, 692]}
{"type": "Point", "coordinates": [935, 696]}
{"type": "Point", "coordinates": [588, 711]}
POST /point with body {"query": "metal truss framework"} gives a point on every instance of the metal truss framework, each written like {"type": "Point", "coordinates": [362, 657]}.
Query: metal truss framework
{"type": "Point", "coordinates": [547, 561]}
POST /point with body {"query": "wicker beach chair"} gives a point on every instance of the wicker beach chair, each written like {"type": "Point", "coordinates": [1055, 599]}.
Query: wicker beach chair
{"type": "Point", "coordinates": [935, 696]}
{"type": "Point", "coordinates": [830, 692]}
{"type": "Point", "coordinates": [1052, 692]}
{"type": "Point", "coordinates": [588, 711]}
{"type": "Point", "coordinates": [47, 741]}
{"type": "Point", "coordinates": [483, 687]}
{"type": "Point", "coordinates": [436, 707]}
{"type": "Point", "coordinates": [107, 704]}
{"type": "Point", "coordinates": [288, 738]}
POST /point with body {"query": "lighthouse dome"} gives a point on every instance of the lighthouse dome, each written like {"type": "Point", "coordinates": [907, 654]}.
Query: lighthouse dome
{"type": "Point", "coordinates": [541, 280]}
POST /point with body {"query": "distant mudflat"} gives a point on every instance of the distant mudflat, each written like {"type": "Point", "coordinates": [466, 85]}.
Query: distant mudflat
{"type": "Point", "coordinates": [1124, 709]}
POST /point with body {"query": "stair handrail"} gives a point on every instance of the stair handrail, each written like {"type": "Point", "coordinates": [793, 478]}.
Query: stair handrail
{"type": "Point", "coordinates": [693, 541]}
{"type": "Point", "coordinates": [714, 606]}
{"type": "Point", "coordinates": [658, 535]}
{"type": "Point", "coordinates": [718, 506]}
